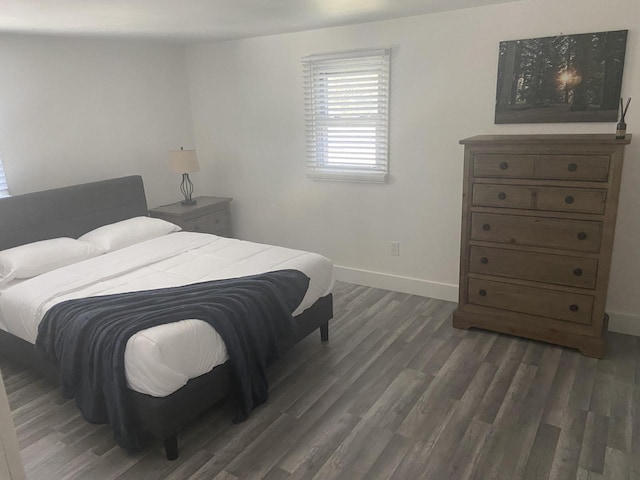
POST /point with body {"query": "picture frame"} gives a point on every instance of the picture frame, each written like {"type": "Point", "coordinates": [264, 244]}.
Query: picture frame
{"type": "Point", "coordinates": [566, 78]}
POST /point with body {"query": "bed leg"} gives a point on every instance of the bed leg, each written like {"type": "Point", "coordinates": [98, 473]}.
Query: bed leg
{"type": "Point", "coordinates": [171, 447]}
{"type": "Point", "coordinates": [324, 332]}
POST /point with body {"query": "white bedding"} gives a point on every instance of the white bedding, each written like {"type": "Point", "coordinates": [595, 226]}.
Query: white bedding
{"type": "Point", "coordinates": [160, 360]}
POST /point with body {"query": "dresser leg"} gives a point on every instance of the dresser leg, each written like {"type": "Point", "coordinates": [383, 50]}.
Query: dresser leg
{"type": "Point", "coordinates": [460, 322]}
{"type": "Point", "coordinates": [594, 348]}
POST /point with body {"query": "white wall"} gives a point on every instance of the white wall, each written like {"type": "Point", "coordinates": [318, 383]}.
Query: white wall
{"type": "Point", "coordinates": [247, 108]}
{"type": "Point", "coordinates": [76, 110]}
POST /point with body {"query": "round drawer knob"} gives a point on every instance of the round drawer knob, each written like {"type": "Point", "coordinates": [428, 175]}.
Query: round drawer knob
{"type": "Point", "coordinates": [504, 165]}
{"type": "Point", "coordinates": [572, 167]}
{"type": "Point", "coordinates": [568, 199]}
{"type": "Point", "coordinates": [484, 260]}
{"type": "Point", "coordinates": [502, 195]}
{"type": "Point", "coordinates": [574, 308]}
{"type": "Point", "coordinates": [482, 293]}
{"type": "Point", "coordinates": [582, 236]}
{"type": "Point", "coordinates": [486, 227]}
{"type": "Point", "coordinates": [577, 272]}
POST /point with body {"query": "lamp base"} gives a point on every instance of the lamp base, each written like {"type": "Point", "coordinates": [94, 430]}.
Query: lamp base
{"type": "Point", "coordinates": [188, 202]}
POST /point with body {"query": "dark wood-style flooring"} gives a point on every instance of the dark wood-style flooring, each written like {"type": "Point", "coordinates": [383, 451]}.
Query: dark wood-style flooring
{"type": "Point", "coordinates": [396, 393]}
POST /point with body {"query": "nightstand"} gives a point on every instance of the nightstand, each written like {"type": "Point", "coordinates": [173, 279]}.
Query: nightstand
{"type": "Point", "coordinates": [209, 215]}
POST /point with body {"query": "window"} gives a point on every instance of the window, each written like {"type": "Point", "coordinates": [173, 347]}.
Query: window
{"type": "Point", "coordinates": [347, 115]}
{"type": "Point", "coordinates": [4, 188]}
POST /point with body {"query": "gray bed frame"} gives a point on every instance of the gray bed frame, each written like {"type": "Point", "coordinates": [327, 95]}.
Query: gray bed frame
{"type": "Point", "coordinates": [72, 212]}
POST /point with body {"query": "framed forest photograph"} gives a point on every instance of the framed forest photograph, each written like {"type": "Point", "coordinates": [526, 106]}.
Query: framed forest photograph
{"type": "Point", "coordinates": [568, 78]}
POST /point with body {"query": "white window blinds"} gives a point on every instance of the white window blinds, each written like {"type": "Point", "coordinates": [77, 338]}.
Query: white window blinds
{"type": "Point", "coordinates": [347, 115]}
{"type": "Point", "coordinates": [4, 188]}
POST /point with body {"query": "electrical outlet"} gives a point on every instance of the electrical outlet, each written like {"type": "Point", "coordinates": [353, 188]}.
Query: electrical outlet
{"type": "Point", "coordinates": [395, 248]}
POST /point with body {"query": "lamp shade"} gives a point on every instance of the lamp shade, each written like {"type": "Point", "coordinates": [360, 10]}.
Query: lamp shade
{"type": "Point", "coordinates": [183, 161]}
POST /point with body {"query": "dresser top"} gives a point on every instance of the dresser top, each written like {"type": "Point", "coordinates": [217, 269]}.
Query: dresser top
{"type": "Point", "coordinates": [544, 139]}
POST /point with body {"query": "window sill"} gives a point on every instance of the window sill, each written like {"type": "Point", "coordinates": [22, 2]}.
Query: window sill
{"type": "Point", "coordinates": [348, 176]}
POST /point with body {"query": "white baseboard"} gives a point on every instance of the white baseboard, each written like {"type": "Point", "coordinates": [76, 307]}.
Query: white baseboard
{"type": "Point", "coordinates": [618, 322]}
{"type": "Point", "coordinates": [396, 283]}
{"type": "Point", "coordinates": [624, 323]}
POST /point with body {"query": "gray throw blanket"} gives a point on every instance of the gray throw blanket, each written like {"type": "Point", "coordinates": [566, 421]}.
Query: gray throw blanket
{"type": "Point", "coordinates": [87, 337]}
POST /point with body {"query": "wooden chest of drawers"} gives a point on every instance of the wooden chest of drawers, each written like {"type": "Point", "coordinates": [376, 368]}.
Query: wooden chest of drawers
{"type": "Point", "coordinates": [208, 215]}
{"type": "Point", "coordinates": [538, 219]}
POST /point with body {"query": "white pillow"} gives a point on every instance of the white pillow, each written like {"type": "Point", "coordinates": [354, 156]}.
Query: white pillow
{"type": "Point", "coordinates": [36, 258]}
{"type": "Point", "coordinates": [127, 232]}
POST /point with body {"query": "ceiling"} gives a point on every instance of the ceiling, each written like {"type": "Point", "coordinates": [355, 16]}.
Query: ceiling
{"type": "Point", "coordinates": [211, 20]}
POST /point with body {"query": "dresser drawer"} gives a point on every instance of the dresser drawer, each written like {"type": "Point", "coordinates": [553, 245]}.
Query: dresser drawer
{"type": "Point", "coordinates": [573, 167]}
{"type": "Point", "coordinates": [558, 199]}
{"type": "Point", "coordinates": [537, 267]}
{"type": "Point", "coordinates": [549, 167]}
{"type": "Point", "coordinates": [580, 200]}
{"type": "Point", "coordinates": [500, 165]}
{"type": "Point", "coordinates": [215, 223]}
{"type": "Point", "coordinates": [570, 307]}
{"type": "Point", "coordinates": [575, 235]}
{"type": "Point", "coordinates": [503, 196]}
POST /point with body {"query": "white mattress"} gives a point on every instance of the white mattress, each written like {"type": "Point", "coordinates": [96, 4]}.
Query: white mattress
{"type": "Point", "coordinates": [160, 360]}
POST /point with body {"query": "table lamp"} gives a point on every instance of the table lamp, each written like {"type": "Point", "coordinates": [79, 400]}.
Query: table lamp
{"type": "Point", "coordinates": [184, 162]}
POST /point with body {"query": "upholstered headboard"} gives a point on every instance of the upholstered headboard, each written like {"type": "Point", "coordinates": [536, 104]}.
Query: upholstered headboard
{"type": "Point", "coordinates": [69, 211]}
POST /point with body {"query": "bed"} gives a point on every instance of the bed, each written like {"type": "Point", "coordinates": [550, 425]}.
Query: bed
{"type": "Point", "coordinates": [174, 372]}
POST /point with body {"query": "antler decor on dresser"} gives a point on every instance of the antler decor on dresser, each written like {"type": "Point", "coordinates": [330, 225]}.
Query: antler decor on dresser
{"type": "Point", "coordinates": [538, 221]}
